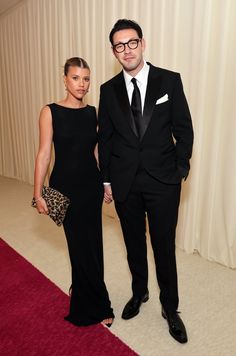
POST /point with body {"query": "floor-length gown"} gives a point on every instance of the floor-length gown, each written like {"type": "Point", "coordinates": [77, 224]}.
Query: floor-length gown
{"type": "Point", "coordinates": [75, 174]}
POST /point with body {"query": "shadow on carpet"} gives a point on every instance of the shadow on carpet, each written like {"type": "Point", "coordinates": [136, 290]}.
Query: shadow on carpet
{"type": "Point", "coordinates": [32, 311]}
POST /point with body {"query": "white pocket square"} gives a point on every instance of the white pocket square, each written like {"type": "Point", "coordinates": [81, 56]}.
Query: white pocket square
{"type": "Point", "coordinates": [162, 99]}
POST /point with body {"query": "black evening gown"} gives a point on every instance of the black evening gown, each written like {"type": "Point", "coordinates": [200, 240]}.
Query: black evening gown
{"type": "Point", "coordinates": [75, 174]}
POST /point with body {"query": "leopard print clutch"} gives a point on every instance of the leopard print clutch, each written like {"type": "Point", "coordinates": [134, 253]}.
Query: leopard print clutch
{"type": "Point", "coordinates": [57, 204]}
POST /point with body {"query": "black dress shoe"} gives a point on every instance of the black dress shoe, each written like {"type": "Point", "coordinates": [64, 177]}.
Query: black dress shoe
{"type": "Point", "coordinates": [108, 325]}
{"type": "Point", "coordinates": [132, 307]}
{"type": "Point", "coordinates": [176, 326]}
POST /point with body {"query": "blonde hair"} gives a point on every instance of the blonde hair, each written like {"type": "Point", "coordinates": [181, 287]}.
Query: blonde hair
{"type": "Point", "coordinates": [75, 62]}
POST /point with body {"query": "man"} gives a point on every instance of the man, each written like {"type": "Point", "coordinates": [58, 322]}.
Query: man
{"type": "Point", "coordinates": [145, 143]}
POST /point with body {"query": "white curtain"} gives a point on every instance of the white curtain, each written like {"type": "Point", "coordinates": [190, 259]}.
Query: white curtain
{"type": "Point", "coordinates": [194, 37]}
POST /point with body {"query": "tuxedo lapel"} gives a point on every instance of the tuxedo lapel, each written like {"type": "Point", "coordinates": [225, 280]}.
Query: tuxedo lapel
{"type": "Point", "coordinates": [123, 100]}
{"type": "Point", "coordinates": [152, 93]}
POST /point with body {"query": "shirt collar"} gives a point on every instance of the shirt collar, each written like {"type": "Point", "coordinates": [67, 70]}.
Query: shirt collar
{"type": "Point", "coordinates": [141, 77]}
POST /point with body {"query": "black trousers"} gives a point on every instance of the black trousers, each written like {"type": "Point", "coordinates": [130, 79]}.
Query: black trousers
{"type": "Point", "coordinates": [159, 202]}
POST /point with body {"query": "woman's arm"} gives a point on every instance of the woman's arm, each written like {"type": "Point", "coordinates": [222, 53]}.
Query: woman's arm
{"type": "Point", "coordinates": [43, 157]}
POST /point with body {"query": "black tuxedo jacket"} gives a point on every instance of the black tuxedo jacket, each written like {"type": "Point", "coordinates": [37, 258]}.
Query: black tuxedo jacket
{"type": "Point", "coordinates": [165, 147]}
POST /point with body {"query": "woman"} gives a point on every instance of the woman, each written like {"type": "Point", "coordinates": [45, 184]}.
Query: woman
{"type": "Point", "coordinates": [72, 127]}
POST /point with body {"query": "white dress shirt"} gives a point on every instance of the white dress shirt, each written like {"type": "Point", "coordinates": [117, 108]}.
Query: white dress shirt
{"type": "Point", "coordinates": [141, 78]}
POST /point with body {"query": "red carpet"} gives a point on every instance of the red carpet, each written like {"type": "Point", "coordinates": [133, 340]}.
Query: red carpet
{"type": "Point", "coordinates": [32, 309]}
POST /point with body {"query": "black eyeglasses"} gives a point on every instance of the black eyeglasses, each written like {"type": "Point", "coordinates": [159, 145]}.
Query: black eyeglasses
{"type": "Point", "coordinates": [132, 44]}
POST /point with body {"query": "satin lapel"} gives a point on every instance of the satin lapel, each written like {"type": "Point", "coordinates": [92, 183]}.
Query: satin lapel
{"type": "Point", "coordinates": [152, 94]}
{"type": "Point", "coordinates": [123, 100]}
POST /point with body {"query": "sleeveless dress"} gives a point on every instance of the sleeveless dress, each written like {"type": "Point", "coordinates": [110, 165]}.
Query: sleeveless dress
{"type": "Point", "coordinates": [75, 174]}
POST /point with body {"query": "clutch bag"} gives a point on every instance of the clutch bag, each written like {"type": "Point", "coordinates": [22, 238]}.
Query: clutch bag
{"type": "Point", "coordinates": [57, 204]}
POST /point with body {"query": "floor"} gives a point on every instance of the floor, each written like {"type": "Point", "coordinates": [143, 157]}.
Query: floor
{"type": "Point", "coordinates": [207, 290]}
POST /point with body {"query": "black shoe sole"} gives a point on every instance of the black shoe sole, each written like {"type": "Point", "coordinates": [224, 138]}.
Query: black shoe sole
{"type": "Point", "coordinates": [145, 299]}
{"type": "Point", "coordinates": [130, 316]}
{"type": "Point", "coordinates": [164, 316]}
{"type": "Point", "coordinates": [134, 314]}
{"type": "Point", "coordinates": [181, 341]}
{"type": "Point", "coordinates": [108, 325]}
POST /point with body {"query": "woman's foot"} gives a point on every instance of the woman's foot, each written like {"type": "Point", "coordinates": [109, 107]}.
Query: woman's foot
{"type": "Point", "coordinates": [108, 322]}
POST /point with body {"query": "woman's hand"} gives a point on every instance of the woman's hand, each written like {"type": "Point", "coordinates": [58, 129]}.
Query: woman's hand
{"type": "Point", "coordinates": [41, 206]}
{"type": "Point", "coordinates": [108, 194]}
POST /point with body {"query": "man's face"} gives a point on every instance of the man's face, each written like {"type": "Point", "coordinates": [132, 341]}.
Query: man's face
{"type": "Point", "coordinates": [130, 59]}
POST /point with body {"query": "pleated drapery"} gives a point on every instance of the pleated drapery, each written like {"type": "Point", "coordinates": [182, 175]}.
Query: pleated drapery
{"type": "Point", "coordinates": [193, 37]}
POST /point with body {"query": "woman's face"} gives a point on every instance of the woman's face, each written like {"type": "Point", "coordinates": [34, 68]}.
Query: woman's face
{"type": "Point", "coordinates": [77, 81]}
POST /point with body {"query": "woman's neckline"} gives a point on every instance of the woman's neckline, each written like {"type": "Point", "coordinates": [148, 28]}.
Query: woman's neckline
{"type": "Point", "coordinates": [69, 107]}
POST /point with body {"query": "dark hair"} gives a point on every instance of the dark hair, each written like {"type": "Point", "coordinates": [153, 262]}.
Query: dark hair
{"type": "Point", "coordinates": [124, 24]}
{"type": "Point", "coordinates": [75, 62]}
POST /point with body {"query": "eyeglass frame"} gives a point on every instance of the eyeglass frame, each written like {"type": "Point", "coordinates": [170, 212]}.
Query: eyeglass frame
{"type": "Point", "coordinates": [137, 40]}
